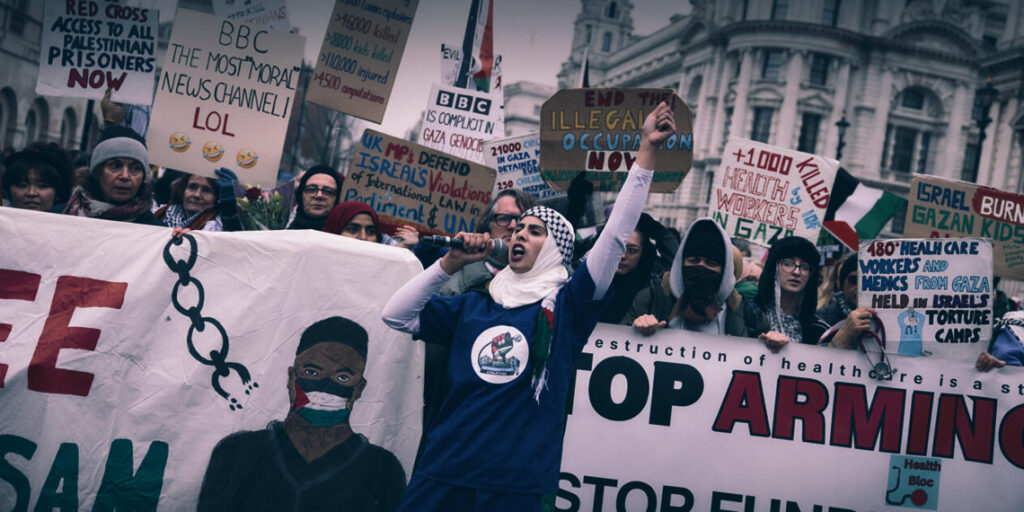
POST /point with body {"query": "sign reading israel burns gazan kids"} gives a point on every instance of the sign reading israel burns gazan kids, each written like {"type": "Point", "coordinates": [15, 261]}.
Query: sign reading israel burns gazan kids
{"type": "Point", "coordinates": [598, 131]}
{"type": "Point", "coordinates": [358, 60]}
{"type": "Point", "coordinates": [224, 97]}
{"type": "Point", "coordinates": [762, 192]}
{"type": "Point", "coordinates": [89, 46]}
{"type": "Point", "coordinates": [410, 184]}
{"type": "Point", "coordinates": [458, 121]}
{"type": "Point", "coordinates": [940, 207]}
{"type": "Point", "coordinates": [516, 160]}
{"type": "Point", "coordinates": [932, 295]}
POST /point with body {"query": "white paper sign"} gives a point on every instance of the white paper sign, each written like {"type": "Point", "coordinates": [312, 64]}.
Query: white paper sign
{"type": "Point", "coordinates": [224, 97]}
{"type": "Point", "coordinates": [517, 161]}
{"type": "Point", "coordinates": [933, 295]}
{"type": "Point", "coordinates": [762, 192]}
{"type": "Point", "coordinates": [268, 13]}
{"type": "Point", "coordinates": [89, 46]}
{"type": "Point", "coordinates": [458, 121]}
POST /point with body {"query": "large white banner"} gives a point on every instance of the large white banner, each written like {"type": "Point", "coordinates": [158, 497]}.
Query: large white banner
{"type": "Point", "coordinates": [89, 46]}
{"type": "Point", "coordinates": [111, 398]}
{"type": "Point", "coordinates": [689, 422]}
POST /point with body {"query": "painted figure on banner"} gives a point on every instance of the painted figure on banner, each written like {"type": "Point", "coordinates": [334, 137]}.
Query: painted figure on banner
{"type": "Point", "coordinates": [312, 460]}
{"type": "Point", "coordinates": [910, 332]}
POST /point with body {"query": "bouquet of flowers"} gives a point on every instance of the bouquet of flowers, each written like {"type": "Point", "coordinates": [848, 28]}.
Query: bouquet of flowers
{"type": "Point", "coordinates": [260, 210]}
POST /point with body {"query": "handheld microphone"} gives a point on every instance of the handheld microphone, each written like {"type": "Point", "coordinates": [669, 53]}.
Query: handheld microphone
{"type": "Point", "coordinates": [499, 248]}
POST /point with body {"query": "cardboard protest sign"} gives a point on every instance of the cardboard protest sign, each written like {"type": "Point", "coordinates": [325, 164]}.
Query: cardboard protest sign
{"type": "Point", "coordinates": [224, 97]}
{"type": "Point", "coordinates": [410, 184]}
{"type": "Point", "coordinates": [762, 192]}
{"type": "Point", "coordinates": [116, 396]}
{"type": "Point", "coordinates": [599, 131]}
{"type": "Point", "coordinates": [359, 58]}
{"type": "Point", "coordinates": [451, 59]}
{"type": "Point", "coordinates": [89, 46]}
{"type": "Point", "coordinates": [516, 160]}
{"type": "Point", "coordinates": [458, 121]}
{"type": "Point", "coordinates": [266, 13]}
{"type": "Point", "coordinates": [940, 207]}
{"type": "Point", "coordinates": [933, 296]}
{"type": "Point", "coordinates": [703, 422]}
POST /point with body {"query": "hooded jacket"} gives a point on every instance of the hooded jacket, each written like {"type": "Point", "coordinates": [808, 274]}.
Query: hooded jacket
{"type": "Point", "coordinates": [660, 297]}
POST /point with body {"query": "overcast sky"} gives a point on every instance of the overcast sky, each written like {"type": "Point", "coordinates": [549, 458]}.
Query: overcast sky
{"type": "Point", "coordinates": [532, 36]}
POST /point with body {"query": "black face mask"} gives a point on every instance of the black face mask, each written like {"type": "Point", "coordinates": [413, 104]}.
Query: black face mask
{"type": "Point", "coordinates": [700, 287]}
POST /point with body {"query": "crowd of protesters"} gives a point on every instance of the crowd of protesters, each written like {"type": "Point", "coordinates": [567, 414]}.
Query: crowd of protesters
{"type": "Point", "coordinates": [699, 281]}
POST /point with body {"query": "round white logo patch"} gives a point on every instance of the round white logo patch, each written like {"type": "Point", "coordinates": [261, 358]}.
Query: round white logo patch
{"type": "Point", "coordinates": [500, 354]}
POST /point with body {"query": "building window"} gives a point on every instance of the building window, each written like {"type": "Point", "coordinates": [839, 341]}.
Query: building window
{"type": "Point", "coordinates": [830, 13]}
{"type": "Point", "coordinates": [762, 124]}
{"type": "Point", "coordinates": [613, 10]}
{"type": "Point", "coordinates": [969, 170]}
{"type": "Point", "coordinates": [779, 9]}
{"type": "Point", "coordinates": [809, 133]}
{"type": "Point", "coordinates": [709, 180]}
{"type": "Point", "coordinates": [819, 69]}
{"type": "Point", "coordinates": [899, 220]}
{"type": "Point", "coordinates": [590, 32]}
{"type": "Point", "coordinates": [989, 43]}
{"type": "Point", "coordinates": [912, 99]}
{"type": "Point", "coordinates": [903, 149]}
{"type": "Point", "coordinates": [743, 12]}
{"type": "Point", "coordinates": [922, 159]}
{"type": "Point", "coordinates": [725, 131]}
{"type": "Point", "coordinates": [772, 64]}
{"type": "Point", "coordinates": [606, 42]}
{"type": "Point", "coordinates": [30, 127]}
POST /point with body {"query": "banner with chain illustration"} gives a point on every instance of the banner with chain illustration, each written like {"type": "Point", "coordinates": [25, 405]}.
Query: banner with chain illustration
{"type": "Point", "coordinates": [245, 368]}
{"type": "Point", "coordinates": [684, 421]}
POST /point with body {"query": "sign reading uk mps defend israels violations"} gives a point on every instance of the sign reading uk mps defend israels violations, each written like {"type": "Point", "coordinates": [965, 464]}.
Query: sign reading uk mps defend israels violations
{"type": "Point", "coordinates": [932, 295]}
{"type": "Point", "coordinates": [940, 207]}
{"type": "Point", "coordinates": [685, 421]}
{"type": "Point", "coordinates": [224, 97]}
{"type": "Point", "coordinates": [410, 184]}
{"type": "Point", "coordinates": [458, 121]}
{"type": "Point", "coordinates": [358, 61]}
{"type": "Point", "coordinates": [762, 192]}
{"type": "Point", "coordinates": [142, 374]}
{"type": "Point", "coordinates": [89, 46]}
{"type": "Point", "coordinates": [517, 161]}
{"type": "Point", "coordinates": [598, 131]}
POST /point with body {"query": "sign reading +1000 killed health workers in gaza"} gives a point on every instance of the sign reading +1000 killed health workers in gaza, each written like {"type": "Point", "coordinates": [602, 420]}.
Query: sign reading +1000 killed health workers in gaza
{"type": "Point", "coordinates": [224, 97]}
{"type": "Point", "coordinates": [598, 131]}
{"type": "Point", "coordinates": [762, 192]}
{"type": "Point", "coordinates": [359, 57]}
{"type": "Point", "coordinates": [90, 46]}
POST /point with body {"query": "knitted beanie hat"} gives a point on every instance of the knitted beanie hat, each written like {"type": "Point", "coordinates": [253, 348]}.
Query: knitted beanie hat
{"type": "Point", "coordinates": [118, 141]}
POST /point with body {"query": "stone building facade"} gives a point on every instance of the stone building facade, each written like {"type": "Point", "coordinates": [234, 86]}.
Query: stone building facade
{"type": "Point", "coordinates": [904, 75]}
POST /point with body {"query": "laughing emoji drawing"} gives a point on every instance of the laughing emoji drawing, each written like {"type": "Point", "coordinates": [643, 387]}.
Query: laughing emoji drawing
{"type": "Point", "coordinates": [180, 142]}
{"type": "Point", "coordinates": [213, 151]}
{"type": "Point", "coordinates": [246, 158]}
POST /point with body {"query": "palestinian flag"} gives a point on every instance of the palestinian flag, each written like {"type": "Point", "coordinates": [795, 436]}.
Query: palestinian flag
{"type": "Point", "coordinates": [483, 53]}
{"type": "Point", "coordinates": [857, 211]}
{"type": "Point", "coordinates": [585, 72]}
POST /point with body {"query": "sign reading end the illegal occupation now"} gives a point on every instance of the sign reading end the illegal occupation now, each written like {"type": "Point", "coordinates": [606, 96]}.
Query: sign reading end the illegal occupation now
{"type": "Point", "coordinates": [933, 296]}
{"type": "Point", "coordinates": [410, 184]}
{"type": "Point", "coordinates": [598, 131]}
{"type": "Point", "coordinates": [762, 192]}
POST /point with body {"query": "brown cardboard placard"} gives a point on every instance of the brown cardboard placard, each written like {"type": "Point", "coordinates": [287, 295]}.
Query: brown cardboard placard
{"type": "Point", "coordinates": [410, 184]}
{"type": "Point", "coordinates": [940, 208]}
{"type": "Point", "coordinates": [599, 131]}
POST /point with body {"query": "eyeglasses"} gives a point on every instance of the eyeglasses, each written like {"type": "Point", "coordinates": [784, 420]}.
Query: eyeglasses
{"type": "Point", "coordinates": [503, 219]}
{"type": "Point", "coordinates": [790, 265]}
{"type": "Point", "coordinates": [311, 190]}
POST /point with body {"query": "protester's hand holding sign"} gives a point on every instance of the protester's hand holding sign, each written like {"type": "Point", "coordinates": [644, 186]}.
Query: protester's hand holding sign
{"type": "Point", "coordinates": [858, 321]}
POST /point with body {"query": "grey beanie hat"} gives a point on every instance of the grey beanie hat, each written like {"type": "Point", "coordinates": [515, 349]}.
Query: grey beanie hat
{"type": "Point", "coordinates": [120, 142]}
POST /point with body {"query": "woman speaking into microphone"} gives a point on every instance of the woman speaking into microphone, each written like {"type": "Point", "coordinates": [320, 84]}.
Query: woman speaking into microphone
{"type": "Point", "coordinates": [496, 444]}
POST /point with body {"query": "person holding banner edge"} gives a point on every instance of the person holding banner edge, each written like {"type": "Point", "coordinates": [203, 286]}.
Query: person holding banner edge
{"type": "Point", "coordinates": [495, 445]}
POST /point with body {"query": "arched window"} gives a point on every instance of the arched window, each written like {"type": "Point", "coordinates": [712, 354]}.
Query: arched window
{"type": "Point", "coordinates": [68, 125]}
{"type": "Point", "coordinates": [911, 135]}
{"type": "Point", "coordinates": [606, 42]}
{"type": "Point", "coordinates": [31, 127]}
{"type": "Point", "coordinates": [41, 131]}
{"type": "Point", "coordinates": [613, 10]}
{"type": "Point", "coordinates": [693, 92]}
